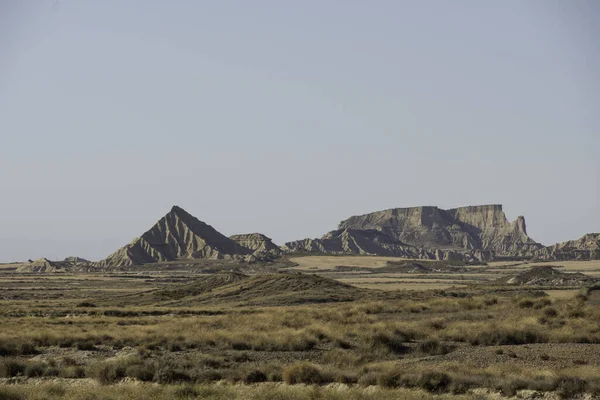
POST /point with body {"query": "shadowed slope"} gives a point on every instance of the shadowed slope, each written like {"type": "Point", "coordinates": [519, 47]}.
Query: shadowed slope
{"type": "Point", "coordinates": [270, 289]}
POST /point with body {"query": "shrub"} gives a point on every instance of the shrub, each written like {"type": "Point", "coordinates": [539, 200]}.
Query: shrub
{"type": "Point", "coordinates": [435, 382]}
{"type": "Point", "coordinates": [208, 376]}
{"type": "Point", "coordinates": [17, 349]}
{"type": "Point", "coordinates": [10, 368]}
{"type": "Point", "coordinates": [490, 301]}
{"type": "Point", "coordinates": [141, 372]}
{"type": "Point", "coordinates": [526, 303]}
{"type": "Point", "coordinates": [550, 312]}
{"type": "Point", "coordinates": [72, 372]}
{"type": "Point", "coordinates": [185, 392]}
{"type": "Point", "coordinates": [433, 347]}
{"type": "Point", "coordinates": [170, 374]}
{"type": "Point", "coordinates": [33, 370]}
{"type": "Point", "coordinates": [85, 304]}
{"type": "Point", "coordinates": [541, 303]}
{"type": "Point", "coordinates": [569, 387]}
{"type": "Point", "coordinates": [108, 372]}
{"type": "Point", "coordinates": [255, 376]}
{"type": "Point", "coordinates": [368, 379]}
{"type": "Point", "coordinates": [498, 337]}
{"type": "Point", "coordinates": [304, 372]}
{"type": "Point", "coordinates": [393, 343]}
{"type": "Point", "coordinates": [85, 345]}
{"type": "Point", "coordinates": [8, 393]}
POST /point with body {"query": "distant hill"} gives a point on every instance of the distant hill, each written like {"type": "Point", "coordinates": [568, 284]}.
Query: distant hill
{"type": "Point", "coordinates": [42, 265]}
{"type": "Point", "coordinates": [178, 235]}
{"type": "Point", "coordinates": [547, 276]}
{"type": "Point", "coordinates": [267, 289]}
{"type": "Point", "coordinates": [585, 248]}
{"type": "Point", "coordinates": [465, 228]}
{"type": "Point", "coordinates": [473, 233]}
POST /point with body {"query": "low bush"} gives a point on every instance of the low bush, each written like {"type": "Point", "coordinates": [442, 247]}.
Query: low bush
{"type": "Point", "coordinates": [10, 368]}
{"type": "Point", "coordinates": [304, 372]}
{"type": "Point", "coordinates": [498, 337]}
{"type": "Point", "coordinates": [11, 349]}
{"type": "Point", "coordinates": [255, 376]}
{"type": "Point", "coordinates": [141, 372]}
{"type": "Point", "coordinates": [392, 343]}
{"type": "Point", "coordinates": [435, 382]}
{"type": "Point", "coordinates": [433, 348]}
{"type": "Point", "coordinates": [108, 372]}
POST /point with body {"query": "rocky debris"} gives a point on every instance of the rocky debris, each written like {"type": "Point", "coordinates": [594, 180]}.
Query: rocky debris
{"type": "Point", "coordinates": [41, 265]}
{"type": "Point", "coordinates": [547, 276]}
{"type": "Point", "coordinates": [482, 227]}
{"type": "Point", "coordinates": [178, 235]}
{"type": "Point", "coordinates": [585, 248]}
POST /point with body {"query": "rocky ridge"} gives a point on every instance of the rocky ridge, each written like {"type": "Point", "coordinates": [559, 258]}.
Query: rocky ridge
{"type": "Point", "coordinates": [585, 248]}
{"type": "Point", "coordinates": [42, 265]}
{"type": "Point", "coordinates": [473, 233]}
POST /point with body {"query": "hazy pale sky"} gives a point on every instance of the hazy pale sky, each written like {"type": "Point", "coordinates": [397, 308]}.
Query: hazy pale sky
{"type": "Point", "coordinates": [285, 117]}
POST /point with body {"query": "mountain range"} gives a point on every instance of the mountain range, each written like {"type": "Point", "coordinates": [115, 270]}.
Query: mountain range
{"type": "Point", "coordinates": [471, 234]}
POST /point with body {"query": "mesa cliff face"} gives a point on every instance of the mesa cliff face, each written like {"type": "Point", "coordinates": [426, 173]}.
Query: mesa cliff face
{"type": "Point", "coordinates": [465, 228]}
{"type": "Point", "coordinates": [373, 242]}
{"type": "Point", "coordinates": [178, 235]}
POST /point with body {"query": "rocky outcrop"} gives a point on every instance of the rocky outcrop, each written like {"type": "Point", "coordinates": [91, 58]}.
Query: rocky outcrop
{"type": "Point", "coordinates": [256, 242]}
{"type": "Point", "coordinates": [178, 235]}
{"type": "Point", "coordinates": [547, 276]}
{"type": "Point", "coordinates": [375, 242]}
{"type": "Point", "coordinates": [41, 265]}
{"type": "Point", "coordinates": [482, 228]}
{"type": "Point", "coordinates": [585, 248]}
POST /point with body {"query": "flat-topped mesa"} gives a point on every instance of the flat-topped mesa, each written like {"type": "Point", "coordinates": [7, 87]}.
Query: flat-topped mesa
{"type": "Point", "coordinates": [177, 235]}
{"type": "Point", "coordinates": [482, 227]}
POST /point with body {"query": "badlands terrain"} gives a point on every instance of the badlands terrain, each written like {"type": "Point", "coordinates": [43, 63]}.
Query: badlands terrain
{"type": "Point", "coordinates": [407, 303]}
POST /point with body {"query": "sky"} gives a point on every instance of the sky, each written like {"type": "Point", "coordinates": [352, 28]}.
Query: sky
{"type": "Point", "coordinates": [286, 117]}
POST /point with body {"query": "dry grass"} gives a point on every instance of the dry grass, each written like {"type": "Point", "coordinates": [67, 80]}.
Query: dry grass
{"type": "Point", "coordinates": [408, 346]}
{"type": "Point", "coordinates": [330, 262]}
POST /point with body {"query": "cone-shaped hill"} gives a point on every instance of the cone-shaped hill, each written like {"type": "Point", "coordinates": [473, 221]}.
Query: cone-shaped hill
{"type": "Point", "coordinates": [178, 235]}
